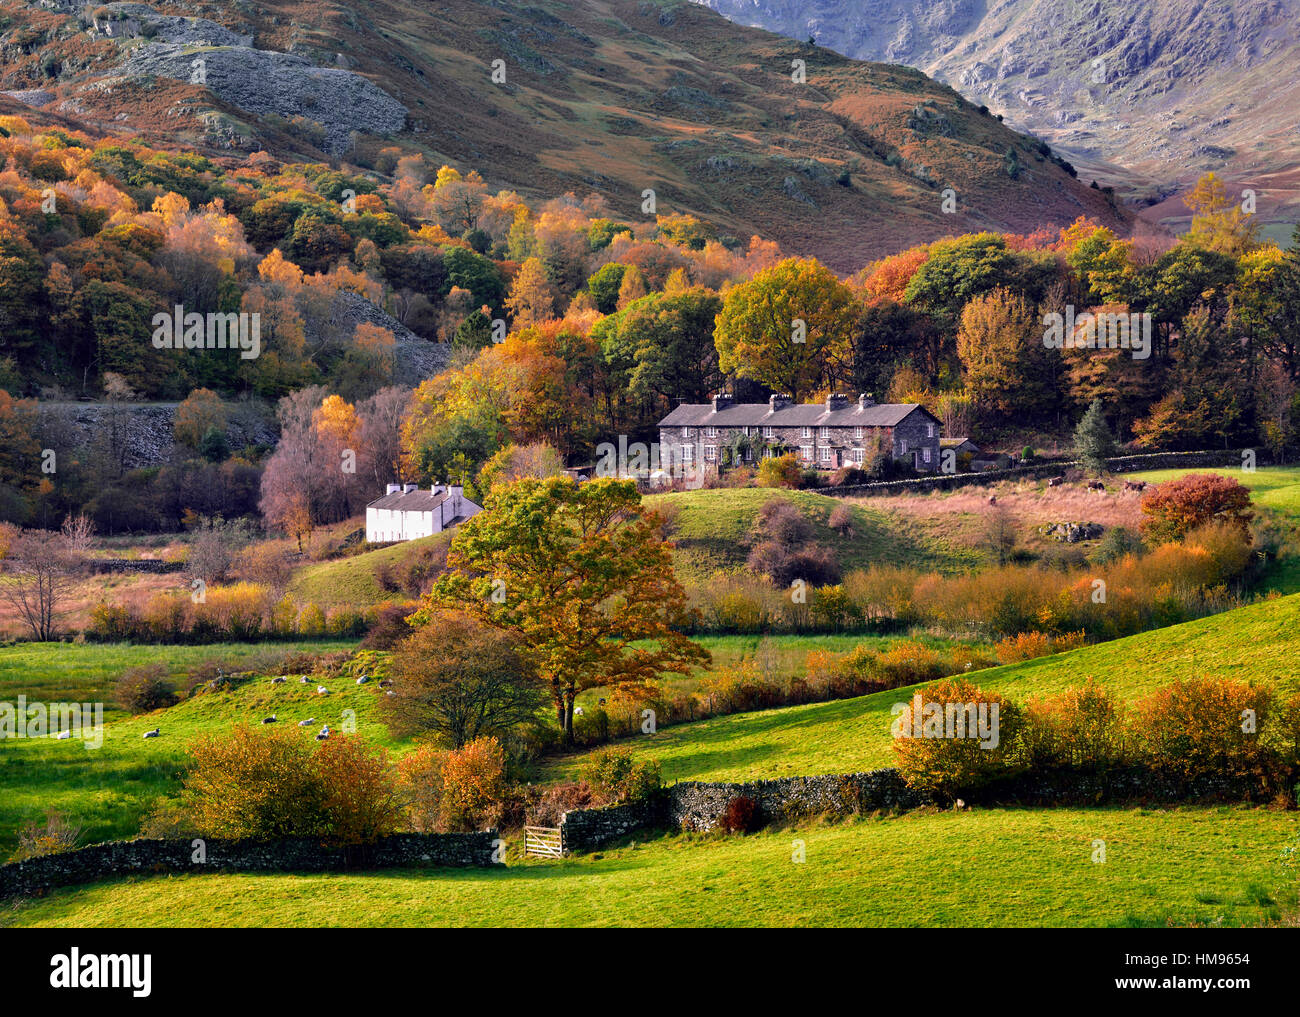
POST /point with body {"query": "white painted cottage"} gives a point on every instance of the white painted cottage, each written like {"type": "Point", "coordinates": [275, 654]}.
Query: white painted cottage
{"type": "Point", "coordinates": [408, 511]}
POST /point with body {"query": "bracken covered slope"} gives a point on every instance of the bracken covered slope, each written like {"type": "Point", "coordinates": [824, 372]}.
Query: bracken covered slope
{"type": "Point", "coordinates": [612, 96]}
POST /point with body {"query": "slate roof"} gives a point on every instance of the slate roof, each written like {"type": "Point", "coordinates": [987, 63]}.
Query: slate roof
{"type": "Point", "coordinates": [413, 501]}
{"type": "Point", "coordinates": [802, 415]}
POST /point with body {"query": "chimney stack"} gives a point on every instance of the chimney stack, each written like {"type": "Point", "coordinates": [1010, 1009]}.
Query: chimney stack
{"type": "Point", "coordinates": [836, 402]}
{"type": "Point", "coordinates": [721, 401]}
{"type": "Point", "coordinates": [865, 400]}
{"type": "Point", "coordinates": [778, 402]}
{"type": "Point", "coordinates": [393, 489]}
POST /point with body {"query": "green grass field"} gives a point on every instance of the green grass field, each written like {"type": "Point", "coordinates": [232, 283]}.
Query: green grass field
{"type": "Point", "coordinates": [1000, 867]}
{"type": "Point", "coordinates": [1260, 642]}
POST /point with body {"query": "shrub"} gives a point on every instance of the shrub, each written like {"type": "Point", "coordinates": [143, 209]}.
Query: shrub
{"type": "Point", "coordinates": [312, 621]}
{"type": "Point", "coordinates": [615, 776]}
{"type": "Point", "coordinates": [557, 799]}
{"type": "Point", "coordinates": [53, 836]}
{"type": "Point", "coordinates": [841, 520]}
{"type": "Point", "coordinates": [359, 801]}
{"type": "Point", "coordinates": [781, 521]}
{"type": "Point", "coordinates": [248, 784]}
{"type": "Point", "coordinates": [1082, 727]}
{"type": "Point", "coordinates": [389, 627]}
{"type": "Point", "coordinates": [780, 471]}
{"type": "Point", "coordinates": [473, 786]}
{"type": "Point", "coordinates": [1179, 506]}
{"type": "Point", "coordinates": [1196, 728]}
{"type": "Point", "coordinates": [168, 820]}
{"type": "Point", "coordinates": [419, 787]}
{"type": "Point", "coordinates": [740, 815]}
{"type": "Point", "coordinates": [848, 476]}
{"type": "Point", "coordinates": [144, 688]}
{"type": "Point", "coordinates": [940, 750]}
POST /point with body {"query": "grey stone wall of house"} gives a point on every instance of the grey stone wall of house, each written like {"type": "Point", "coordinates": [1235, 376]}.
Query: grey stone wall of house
{"type": "Point", "coordinates": [908, 440]}
{"type": "Point", "coordinates": [296, 854]}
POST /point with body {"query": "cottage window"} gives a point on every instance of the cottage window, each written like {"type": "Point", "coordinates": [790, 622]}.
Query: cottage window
{"type": "Point", "coordinates": [902, 444]}
{"type": "Point", "coordinates": [826, 455]}
{"type": "Point", "coordinates": [807, 432]}
{"type": "Point", "coordinates": [856, 455]}
{"type": "Point", "coordinates": [686, 432]}
{"type": "Point", "coordinates": [826, 432]}
{"type": "Point", "coordinates": [688, 454]}
{"type": "Point", "coordinates": [925, 454]}
{"type": "Point", "coordinates": [769, 432]}
{"type": "Point", "coordinates": [710, 453]}
{"type": "Point", "coordinates": [929, 433]}
{"type": "Point", "coordinates": [857, 433]}
{"type": "Point", "coordinates": [806, 453]}
{"type": "Point", "coordinates": [711, 432]}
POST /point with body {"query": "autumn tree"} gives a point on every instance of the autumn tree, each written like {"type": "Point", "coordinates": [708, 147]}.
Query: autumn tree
{"type": "Point", "coordinates": [1173, 509]}
{"type": "Point", "coordinates": [1219, 223]}
{"type": "Point", "coordinates": [532, 297]}
{"type": "Point", "coordinates": [201, 411]}
{"type": "Point", "coordinates": [515, 462]}
{"type": "Point", "coordinates": [789, 327]}
{"type": "Point", "coordinates": [40, 570]}
{"type": "Point", "coordinates": [460, 680]}
{"type": "Point", "coordinates": [1007, 369]}
{"type": "Point", "coordinates": [580, 576]}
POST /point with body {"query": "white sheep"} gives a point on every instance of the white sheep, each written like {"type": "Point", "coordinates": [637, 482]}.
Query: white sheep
{"type": "Point", "coordinates": [321, 690]}
{"type": "Point", "coordinates": [152, 734]}
{"type": "Point", "coordinates": [324, 733]}
{"type": "Point", "coordinates": [577, 711]}
{"type": "Point", "coordinates": [306, 723]}
{"type": "Point", "coordinates": [363, 679]}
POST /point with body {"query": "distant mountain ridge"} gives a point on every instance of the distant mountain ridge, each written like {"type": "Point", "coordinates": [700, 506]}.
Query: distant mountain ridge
{"type": "Point", "coordinates": [1149, 93]}
{"type": "Point", "coordinates": [619, 97]}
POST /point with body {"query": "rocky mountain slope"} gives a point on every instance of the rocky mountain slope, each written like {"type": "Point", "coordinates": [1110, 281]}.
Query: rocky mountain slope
{"type": "Point", "coordinates": [752, 132]}
{"type": "Point", "coordinates": [1144, 93]}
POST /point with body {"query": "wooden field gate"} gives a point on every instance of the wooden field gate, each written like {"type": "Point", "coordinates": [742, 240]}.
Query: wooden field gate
{"type": "Point", "coordinates": [544, 841]}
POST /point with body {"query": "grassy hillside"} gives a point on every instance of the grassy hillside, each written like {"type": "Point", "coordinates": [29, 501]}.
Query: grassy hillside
{"type": "Point", "coordinates": [109, 788]}
{"type": "Point", "coordinates": [351, 581]}
{"type": "Point", "coordinates": [713, 532]}
{"type": "Point", "coordinates": [1249, 643]}
{"type": "Point", "coordinates": [1017, 868]}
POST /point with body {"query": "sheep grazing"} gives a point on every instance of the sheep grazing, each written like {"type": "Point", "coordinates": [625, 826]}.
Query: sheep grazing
{"type": "Point", "coordinates": [1135, 485]}
{"type": "Point", "coordinates": [390, 692]}
{"type": "Point", "coordinates": [993, 499]}
{"type": "Point", "coordinates": [269, 720]}
{"type": "Point", "coordinates": [1056, 482]}
{"type": "Point", "coordinates": [1096, 485]}
{"type": "Point", "coordinates": [321, 690]}
{"type": "Point", "coordinates": [363, 679]}
{"type": "Point", "coordinates": [577, 711]}
{"type": "Point", "coordinates": [303, 680]}
{"type": "Point", "coordinates": [152, 734]}
{"type": "Point", "coordinates": [324, 733]}
{"type": "Point", "coordinates": [386, 683]}
{"type": "Point", "coordinates": [307, 723]}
